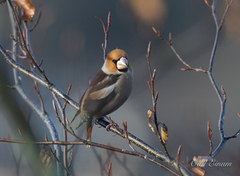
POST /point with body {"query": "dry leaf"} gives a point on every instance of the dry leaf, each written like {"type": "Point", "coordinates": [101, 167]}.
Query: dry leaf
{"type": "Point", "coordinates": [164, 133]}
{"type": "Point", "coordinates": [151, 122]}
{"type": "Point", "coordinates": [28, 9]}
{"type": "Point", "coordinates": [149, 113]}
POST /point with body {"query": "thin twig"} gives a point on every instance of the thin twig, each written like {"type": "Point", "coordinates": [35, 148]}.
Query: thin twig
{"type": "Point", "coordinates": [25, 46]}
{"type": "Point", "coordinates": [109, 168]}
{"type": "Point", "coordinates": [17, 161]}
{"type": "Point", "coordinates": [175, 52]}
{"type": "Point", "coordinates": [209, 133]}
{"type": "Point", "coordinates": [178, 158]}
{"type": "Point", "coordinates": [68, 91]}
{"type": "Point", "coordinates": [35, 24]}
{"type": "Point", "coordinates": [20, 57]}
{"type": "Point", "coordinates": [71, 158]}
{"type": "Point", "coordinates": [20, 133]}
{"type": "Point", "coordinates": [65, 161]}
{"type": "Point", "coordinates": [40, 98]}
{"type": "Point", "coordinates": [83, 142]}
{"type": "Point", "coordinates": [126, 134]}
{"type": "Point", "coordinates": [105, 30]}
{"type": "Point", "coordinates": [60, 163]}
{"type": "Point", "coordinates": [133, 139]}
{"type": "Point", "coordinates": [37, 78]}
{"type": "Point", "coordinates": [154, 98]}
{"type": "Point", "coordinates": [220, 93]}
{"type": "Point", "coordinates": [18, 81]}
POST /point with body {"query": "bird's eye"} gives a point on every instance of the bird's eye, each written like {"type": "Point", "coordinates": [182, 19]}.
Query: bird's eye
{"type": "Point", "coordinates": [114, 61]}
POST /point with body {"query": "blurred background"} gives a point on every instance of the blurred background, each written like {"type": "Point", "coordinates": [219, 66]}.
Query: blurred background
{"type": "Point", "coordinates": [69, 37]}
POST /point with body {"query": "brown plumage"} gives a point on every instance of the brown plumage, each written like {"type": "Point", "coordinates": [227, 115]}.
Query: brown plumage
{"type": "Point", "coordinates": [108, 90]}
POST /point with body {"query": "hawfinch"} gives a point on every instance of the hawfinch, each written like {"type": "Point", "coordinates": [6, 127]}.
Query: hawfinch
{"type": "Point", "coordinates": [108, 90]}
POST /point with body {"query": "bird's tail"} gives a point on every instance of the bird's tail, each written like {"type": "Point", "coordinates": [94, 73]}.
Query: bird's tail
{"type": "Point", "coordinates": [77, 113]}
{"type": "Point", "coordinates": [84, 119]}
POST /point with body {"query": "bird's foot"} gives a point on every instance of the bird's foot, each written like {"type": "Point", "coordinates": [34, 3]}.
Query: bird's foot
{"type": "Point", "coordinates": [112, 123]}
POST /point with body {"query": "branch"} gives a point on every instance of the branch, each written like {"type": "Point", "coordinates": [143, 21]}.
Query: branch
{"type": "Point", "coordinates": [178, 158]}
{"type": "Point", "coordinates": [126, 134]}
{"type": "Point", "coordinates": [209, 133]}
{"type": "Point", "coordinates": [109, 168]}
{"type": "Point", "coordinates": [220, 93]}
{"type": "Point", "coordinates": [143, 145]}
{"type": "Point", "coordinates": [21, 90]}
{"type": "Point", "coordinates": [169, 43]}
{"type": "Point", "coordinates": [23, 43]}
{"type": "Point", "coordinates": [65, 161]}
{"type": "Point", "coordinates": [92, 144]}
{"type": "Point", "coordinates": [37, 78]}
{"type": "Point", "coordinates": [155, 129]}
{"type": "Point", "coordinates": [105, 30]}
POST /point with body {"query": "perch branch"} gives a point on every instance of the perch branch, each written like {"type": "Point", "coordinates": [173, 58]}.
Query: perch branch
{"type": "Point", "coordinates": [83, 142]}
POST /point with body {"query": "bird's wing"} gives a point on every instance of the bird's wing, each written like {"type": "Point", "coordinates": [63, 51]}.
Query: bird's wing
{"type": "Point", "coordinates": [100, 91]}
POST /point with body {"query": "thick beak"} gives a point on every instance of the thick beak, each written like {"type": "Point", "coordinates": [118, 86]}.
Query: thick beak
{"type": "Point", "coordinates": [122, 63]}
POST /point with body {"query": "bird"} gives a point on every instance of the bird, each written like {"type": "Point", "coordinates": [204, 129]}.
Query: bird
{"type": "Point", "coordinates": [107, 91]}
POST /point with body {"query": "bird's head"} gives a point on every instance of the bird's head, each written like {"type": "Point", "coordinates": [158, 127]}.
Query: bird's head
{"type": "Point", "coordinates": [116, 62]}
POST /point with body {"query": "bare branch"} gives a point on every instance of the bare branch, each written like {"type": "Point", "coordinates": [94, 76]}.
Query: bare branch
{"type": "Point", "coordinates": [221, 93]}
{"type": "Point", "coordinates": [71, 159]}
{"type": "Point", "coordinates": [234, 135]}
{"type": "Point", "coordinates": [126, 134]}
{"type": "Point", "coordinates": [20, 133]}
{"type": "Point", "coordinates": [206, 1]}
{"type": "Point", "coordinates": [154, 128]}
{"type": "Point", "coordinates": [37, 78]}
{"type": "Point", "coordinates": [40, 97]}
{"type": "Point", "coordinates": [209, 133]}
{"type": "Point", "coordinates": [68, 91]}
{"type": "Point", "coordinates": [178, 158]}
{"type": "Point", "coordinates": [35, 25]}
{"type": "Point", "coordinates": [83, 142]}
{"type": "Point", "coordinates": [105, 30]}
{"type": "Point", "coordinates": [20, 57]}
{"type": "Point", "coordinates": [175, 52]}
{"type": "Point", "coordinates": [65, 161]}
{"type": "Point", "coordinates": [18, 81]}
{"type": "Point", "coordinates": [24, 44]}
{"type": "Point", "coordinates": [109, 168]}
